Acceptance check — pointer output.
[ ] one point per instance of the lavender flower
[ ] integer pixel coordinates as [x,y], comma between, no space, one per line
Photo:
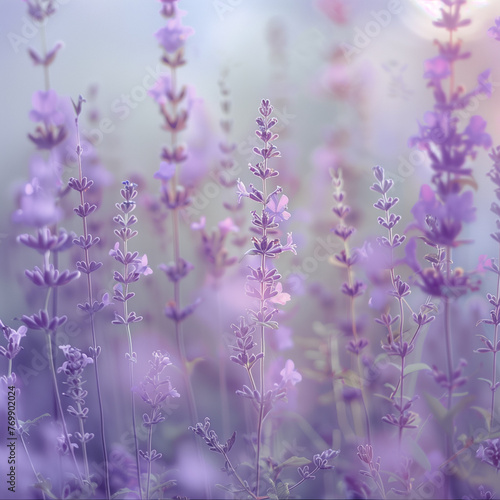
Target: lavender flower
[87,266]
[154,391]
[449,148]
[494,31]
[133,267]
[73,367]
[489,452]
[13,338]
[493,346]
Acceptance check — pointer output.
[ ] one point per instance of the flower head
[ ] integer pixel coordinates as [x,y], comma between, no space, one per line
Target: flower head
[494,31]
[13,338]
[173,36]
[489,452]
[46,108]
[290,374]
[277,209]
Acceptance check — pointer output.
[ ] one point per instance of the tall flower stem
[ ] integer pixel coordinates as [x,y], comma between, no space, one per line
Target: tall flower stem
[352,288]
[148,480]
[90,298]
[495,352]
[59,405]
[133,267]
[262,307]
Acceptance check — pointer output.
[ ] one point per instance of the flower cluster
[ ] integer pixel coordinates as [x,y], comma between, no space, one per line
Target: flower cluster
[133,265]
[489,452]
[493,346]
[154,390]
[73,368]
[346,258]
[214,247]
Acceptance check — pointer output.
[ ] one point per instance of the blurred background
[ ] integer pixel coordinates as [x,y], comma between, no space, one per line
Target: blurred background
[345,78]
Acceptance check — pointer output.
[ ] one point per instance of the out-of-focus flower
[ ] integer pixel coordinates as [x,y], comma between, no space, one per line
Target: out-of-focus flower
[290,374]
[437,68]
[165,172]
[226,226]
[336,10]
[46,108]
[281,298]
[489,452]
[441,222]
[173,36]
[161,89]
[494,31]
[198,226]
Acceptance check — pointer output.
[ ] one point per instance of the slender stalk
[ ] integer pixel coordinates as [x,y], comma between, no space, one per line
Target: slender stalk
[63,420]
[262,338]
[401,396]
[179,333]
[92,321]
[350,280]
[222,369]
[150,438]
[46,76]
[84,446]
[131,365]
[495,342]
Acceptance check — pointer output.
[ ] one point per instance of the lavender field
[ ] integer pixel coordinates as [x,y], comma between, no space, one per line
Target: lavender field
[250,249]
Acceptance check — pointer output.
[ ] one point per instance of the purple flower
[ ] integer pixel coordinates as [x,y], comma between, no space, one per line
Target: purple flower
[437,68]
[46,108]
[173,36]
[281,297]
[441,222]
[142,266]
[476,134]
[241,190]
[290,245]
[277,209]
[489,452]
[226,226]
[199,226]
[13,338]
[37,208]
[290,374]
[76,361]
[162,89]
[494,31]
[165,172]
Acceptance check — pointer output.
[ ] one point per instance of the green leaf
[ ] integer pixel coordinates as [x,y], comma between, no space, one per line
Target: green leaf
[294,462]
[229,487]
[282,490]
[416,367]
[488,381]
[268,324]
[436,407]
[123,491]
[419,455]
[190,365]
[486,415]
[445,417]
[383,396]
[29,423]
